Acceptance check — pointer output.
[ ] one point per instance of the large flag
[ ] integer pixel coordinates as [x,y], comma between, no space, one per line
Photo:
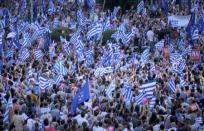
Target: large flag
[148,88]
[59,68]
[81,96]
[110,89]
[140,98]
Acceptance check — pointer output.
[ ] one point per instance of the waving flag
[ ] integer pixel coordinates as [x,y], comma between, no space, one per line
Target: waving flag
[59,68]
[127,90]
[58,79]
[51,7]
[44,82]
[175,57]
[171,85]
[81,96]
[140,98]
[38,54]
[148,88]
[152,103]
[8,108]
[110,89]
[179,66]
[187,51]
[159,45]
[140,8]
[95,30]
[82,21]
[115,12]
[182,82]
[89,57]
[10,53]
[144,57]
[24,54]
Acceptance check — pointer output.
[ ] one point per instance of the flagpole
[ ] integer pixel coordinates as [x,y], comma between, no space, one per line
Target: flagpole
[31,10]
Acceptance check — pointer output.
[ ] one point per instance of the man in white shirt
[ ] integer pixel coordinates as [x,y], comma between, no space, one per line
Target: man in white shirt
[150,35]
[81,118]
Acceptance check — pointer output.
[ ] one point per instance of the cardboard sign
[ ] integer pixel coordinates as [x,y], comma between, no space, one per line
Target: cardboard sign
[195,55]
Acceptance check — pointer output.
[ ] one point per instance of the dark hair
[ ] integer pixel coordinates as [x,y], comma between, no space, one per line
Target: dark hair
[46,122]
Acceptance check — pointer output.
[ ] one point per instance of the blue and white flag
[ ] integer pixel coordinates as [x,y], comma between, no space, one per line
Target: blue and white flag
[159,45]
[95,30]
[44,82]
[110,89]
[10,53]
[149,88]
[89,57]
[38,54]
[140,98]
[24,54]
[8,108]
[141,8]
[51,7]
[91,3]
[57,79]
[152,103]
[115,12]
[81,19]
[171,85]
[187,51]
[144,57]
[127,91]
[179,66]
[59,68]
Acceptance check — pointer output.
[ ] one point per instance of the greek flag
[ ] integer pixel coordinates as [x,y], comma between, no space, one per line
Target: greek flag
[8,108]
[127,37]
[44,82]
[89,57]
[39,54]
[56,23]
[149,88]
[179,66]
[182,82]
[159,45]
[171,85]
[195,6]
[115,12]
[110,89]
[79,47]
[101,71]
[187,51]
[106,24]
[24,54]
[152,103]
[51,7]
[66,47]
[23,26]
[127,90]
[58,79]
[82,21]
[140,7]
[2,24]
[96,30]
[139,99]
[144,57]
[26,40]
[175,57]
[59,68]
[10,53]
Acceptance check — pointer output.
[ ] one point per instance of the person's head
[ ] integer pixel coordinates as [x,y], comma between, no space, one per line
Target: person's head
[46,122]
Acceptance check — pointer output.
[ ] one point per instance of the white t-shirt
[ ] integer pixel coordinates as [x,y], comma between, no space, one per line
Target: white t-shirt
[98,129]
[150,35]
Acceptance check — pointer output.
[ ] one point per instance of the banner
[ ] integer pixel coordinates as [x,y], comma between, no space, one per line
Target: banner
[102,71]
[195,55]
[178,21]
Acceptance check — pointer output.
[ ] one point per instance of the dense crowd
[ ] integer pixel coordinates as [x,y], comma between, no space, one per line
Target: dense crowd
[35,108]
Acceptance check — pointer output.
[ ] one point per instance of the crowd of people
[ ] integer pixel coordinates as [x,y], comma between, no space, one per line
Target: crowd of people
[33,100]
